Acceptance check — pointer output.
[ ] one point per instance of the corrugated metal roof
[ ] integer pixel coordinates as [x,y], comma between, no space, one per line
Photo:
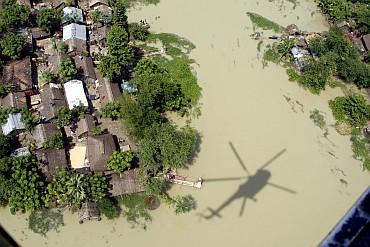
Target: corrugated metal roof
[75,93]
[74,30]
[14,122]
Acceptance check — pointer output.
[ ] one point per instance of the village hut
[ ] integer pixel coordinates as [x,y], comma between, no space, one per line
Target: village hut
[86,68]
[292,30]
[108,91]
[14,99]
[99,149]
[366,41]
[55,60]
[51,160]
[127,182]
[14,123]
[85,126]
[89,211]
[75,36]
[52,98]
[19,74]
[39,34]
[102,6]
[44,132]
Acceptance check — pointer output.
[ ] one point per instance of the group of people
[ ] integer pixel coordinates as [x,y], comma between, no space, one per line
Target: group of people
[144,22]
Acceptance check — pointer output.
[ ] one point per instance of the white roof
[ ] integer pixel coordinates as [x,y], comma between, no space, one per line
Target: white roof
[14,122]
[72,13]
[74,30]
[75,93]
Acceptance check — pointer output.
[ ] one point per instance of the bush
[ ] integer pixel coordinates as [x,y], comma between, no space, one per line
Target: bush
[43,221]
[184,204]
[56,142]
[138,32]
[120,161]
[111,110]
[109,208]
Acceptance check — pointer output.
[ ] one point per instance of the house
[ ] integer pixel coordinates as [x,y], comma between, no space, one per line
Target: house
[13,123]
[75,94]
[39,34]
[44,132]
[99,149]
[366,42]
[62,3]
[85,126]
[89,211]
[74,35]
[86,68]
[108,92]
[292,30]
[98,36]
[72,14]
[102,6]
[52,98]
[19,73]
[127,182]
[51,160]
[14,99]
[55,60]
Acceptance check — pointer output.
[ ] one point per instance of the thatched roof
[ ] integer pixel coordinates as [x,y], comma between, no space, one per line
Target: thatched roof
[44,132]
[95,3]
[108,91]
[52,98]
[85,64]
[38,33]
[51,161]
[292,29]
[14,99]
[126,183]
[366,41]
[19,74]
[89,211]
[99,149]
[85,125]
[55,60]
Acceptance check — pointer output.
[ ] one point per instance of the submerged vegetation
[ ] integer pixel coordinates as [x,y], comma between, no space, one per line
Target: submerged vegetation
[264,23]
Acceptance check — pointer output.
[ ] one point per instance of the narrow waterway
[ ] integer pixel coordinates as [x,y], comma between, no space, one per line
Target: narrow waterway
[252,118]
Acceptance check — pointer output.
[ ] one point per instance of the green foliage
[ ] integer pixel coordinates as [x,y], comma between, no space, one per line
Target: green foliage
[356,71]
[12,15]
[29,120]
[353,109]
[147,67]
[117,39]
[119,16]
[184,204]
[68,70]
[317,45]
[166,147]
[96,16]
[109,66]
[176,46]
[97,131]
[48,18]
[27,191]
[285,46]
[56,142]
[6,88]
[271,54]
[138,32]
[5,146]
[132,3]
[155,186]
[135,208]
[293,74]
[316,74]
[64,117]
[109,208]
[49,77]
[120,161]
[111,110]
[97,187]
[264,23]
[45,220]
[338,10]
[63,47]
[360,148]
[318,118]
[13,45]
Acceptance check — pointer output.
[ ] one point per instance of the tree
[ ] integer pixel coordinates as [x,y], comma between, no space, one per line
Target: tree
[109,207]
[68,70]
[119,16]
[5,89]
[27,190]
[42,221]
[184,204]
[48,19]
[147,67]
[165,147]
[117,39]
[338,10]
[138,32]
[120,161]
[49,77]
[56,142]
[354,70]
[109,66]
[155,186]
[12,15]
[98,187]
[5,146]
[285,46]
[28,119]
[111,110]
[64,117]
[13,45]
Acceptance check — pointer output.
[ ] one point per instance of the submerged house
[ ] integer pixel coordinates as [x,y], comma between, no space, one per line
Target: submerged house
[19,74]
[13,123]
[74,35]
[99,149]
[44,132]
[52,98]
[127,182]
[85,67]
[75,94]
[51,161]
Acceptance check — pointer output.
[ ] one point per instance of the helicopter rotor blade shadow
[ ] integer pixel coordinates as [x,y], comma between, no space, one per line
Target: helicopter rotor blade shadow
[222,179]
[282,188]
[273,158]
[239,159]
[243,206]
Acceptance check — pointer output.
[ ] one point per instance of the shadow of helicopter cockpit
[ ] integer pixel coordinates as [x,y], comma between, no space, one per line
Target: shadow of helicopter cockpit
[250,188]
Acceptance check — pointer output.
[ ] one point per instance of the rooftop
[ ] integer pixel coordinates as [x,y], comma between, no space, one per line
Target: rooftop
[14,122]
[75,94]
[74,30]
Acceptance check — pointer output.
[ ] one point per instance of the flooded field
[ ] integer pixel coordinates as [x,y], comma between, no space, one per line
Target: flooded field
[258,143]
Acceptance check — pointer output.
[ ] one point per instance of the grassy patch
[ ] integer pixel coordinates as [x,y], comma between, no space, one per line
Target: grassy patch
[176,46]
[264,23]
[271,54]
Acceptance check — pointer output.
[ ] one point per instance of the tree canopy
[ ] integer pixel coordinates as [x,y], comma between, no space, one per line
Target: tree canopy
[13,45]
[68,70]
[12,15]
[120,161]
[48,18]
[119,16]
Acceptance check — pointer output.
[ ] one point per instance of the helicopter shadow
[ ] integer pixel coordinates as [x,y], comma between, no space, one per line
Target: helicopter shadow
[252,185]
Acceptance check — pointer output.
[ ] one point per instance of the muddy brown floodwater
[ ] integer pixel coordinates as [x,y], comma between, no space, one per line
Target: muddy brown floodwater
[251,117]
